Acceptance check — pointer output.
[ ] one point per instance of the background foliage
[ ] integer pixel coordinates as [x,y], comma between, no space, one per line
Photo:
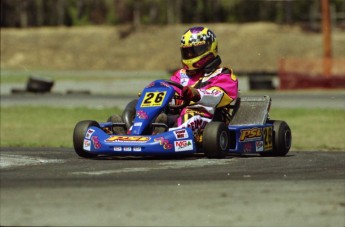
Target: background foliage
[32,13]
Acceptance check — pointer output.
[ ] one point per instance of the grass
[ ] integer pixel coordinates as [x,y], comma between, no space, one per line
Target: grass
[244,47]
[312,129]
[44,126]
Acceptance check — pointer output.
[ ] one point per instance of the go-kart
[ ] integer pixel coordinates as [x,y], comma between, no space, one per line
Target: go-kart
[246,129]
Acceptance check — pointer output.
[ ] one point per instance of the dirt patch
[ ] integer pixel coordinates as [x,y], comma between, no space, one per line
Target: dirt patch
[245,47]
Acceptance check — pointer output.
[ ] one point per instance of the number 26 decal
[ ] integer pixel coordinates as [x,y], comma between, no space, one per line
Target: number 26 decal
[153,99]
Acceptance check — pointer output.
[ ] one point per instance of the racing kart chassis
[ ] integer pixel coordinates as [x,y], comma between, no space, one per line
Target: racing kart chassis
[250,131]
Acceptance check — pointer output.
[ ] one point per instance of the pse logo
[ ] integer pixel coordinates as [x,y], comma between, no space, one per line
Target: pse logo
[250,134]
[137,139]
[183,145]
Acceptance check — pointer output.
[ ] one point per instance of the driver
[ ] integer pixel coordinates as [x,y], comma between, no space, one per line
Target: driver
[207,85]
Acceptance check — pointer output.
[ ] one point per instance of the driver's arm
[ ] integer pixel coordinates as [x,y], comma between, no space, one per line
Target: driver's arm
[214,97]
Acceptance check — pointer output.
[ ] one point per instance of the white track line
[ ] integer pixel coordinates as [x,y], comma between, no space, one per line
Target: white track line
[10,161]
[162,166]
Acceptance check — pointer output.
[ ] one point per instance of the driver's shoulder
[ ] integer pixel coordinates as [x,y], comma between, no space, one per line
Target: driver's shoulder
[226,70]
[221,71]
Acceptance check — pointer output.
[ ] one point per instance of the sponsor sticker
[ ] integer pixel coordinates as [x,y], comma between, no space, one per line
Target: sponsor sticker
[181,134]
[96,143]
[259,146]
[117,148]
[138,124]
[211,92]
[127,149]
[184,81]
[164,142]
[197,123]
[183,145]
[142,114]
[247,148]
[87,145]
[137,149]
[89,133]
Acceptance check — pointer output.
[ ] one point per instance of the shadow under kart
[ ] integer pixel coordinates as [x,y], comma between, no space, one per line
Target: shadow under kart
[249,129]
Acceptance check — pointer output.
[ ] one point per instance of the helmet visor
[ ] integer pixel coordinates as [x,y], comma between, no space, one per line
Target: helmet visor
[193,51]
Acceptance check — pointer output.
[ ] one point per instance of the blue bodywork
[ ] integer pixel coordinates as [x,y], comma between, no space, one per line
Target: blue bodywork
[99,142]
[153,100]
[251,138]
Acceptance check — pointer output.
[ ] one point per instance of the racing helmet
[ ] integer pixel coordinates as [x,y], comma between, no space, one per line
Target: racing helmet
[199,48]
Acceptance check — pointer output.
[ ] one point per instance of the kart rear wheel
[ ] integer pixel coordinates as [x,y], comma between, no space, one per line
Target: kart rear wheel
[281,139]
[216,140]
[78,137]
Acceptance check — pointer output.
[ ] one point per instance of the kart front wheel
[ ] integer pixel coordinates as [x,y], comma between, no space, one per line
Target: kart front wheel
[78,137]
[216,140]
[282,139]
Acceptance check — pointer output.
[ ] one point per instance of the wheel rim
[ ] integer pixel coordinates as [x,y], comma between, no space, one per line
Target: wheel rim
[287,137]
[223,141]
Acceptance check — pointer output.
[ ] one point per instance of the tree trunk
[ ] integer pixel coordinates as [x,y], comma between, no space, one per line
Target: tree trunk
[136,14]
[170,12]
[60,8]
[23,16]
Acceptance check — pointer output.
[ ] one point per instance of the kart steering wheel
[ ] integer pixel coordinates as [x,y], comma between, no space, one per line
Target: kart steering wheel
[184,103]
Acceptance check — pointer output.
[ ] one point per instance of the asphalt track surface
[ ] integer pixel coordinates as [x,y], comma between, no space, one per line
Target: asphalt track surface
[334,100]
[119,92]
[54,187]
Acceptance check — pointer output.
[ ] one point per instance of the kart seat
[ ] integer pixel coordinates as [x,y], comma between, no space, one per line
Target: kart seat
[251,110]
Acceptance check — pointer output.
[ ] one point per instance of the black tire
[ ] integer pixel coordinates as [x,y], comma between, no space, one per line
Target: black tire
[115,119]
[282,139]
[216,140]
[39,85]
[129,113]
[119,130]
[78,138]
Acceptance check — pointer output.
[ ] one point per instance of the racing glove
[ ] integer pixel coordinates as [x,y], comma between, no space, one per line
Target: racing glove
[190,94]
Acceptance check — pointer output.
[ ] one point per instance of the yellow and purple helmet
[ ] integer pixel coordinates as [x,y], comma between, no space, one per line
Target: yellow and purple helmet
[199,47]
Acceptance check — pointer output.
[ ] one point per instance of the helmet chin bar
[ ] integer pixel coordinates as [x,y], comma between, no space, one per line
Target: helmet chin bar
[204,61]
[193,72]
[210,67]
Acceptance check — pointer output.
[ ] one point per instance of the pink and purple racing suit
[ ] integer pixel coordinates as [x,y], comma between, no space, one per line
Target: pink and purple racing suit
[216,89]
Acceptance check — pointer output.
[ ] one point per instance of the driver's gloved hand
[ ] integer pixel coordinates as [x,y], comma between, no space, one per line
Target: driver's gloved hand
[190,94]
